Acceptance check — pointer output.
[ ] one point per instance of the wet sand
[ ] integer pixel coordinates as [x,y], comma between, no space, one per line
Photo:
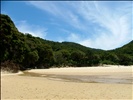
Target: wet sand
[93,83]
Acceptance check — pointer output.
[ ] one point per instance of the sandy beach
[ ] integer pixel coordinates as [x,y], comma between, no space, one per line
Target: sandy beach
[87,83]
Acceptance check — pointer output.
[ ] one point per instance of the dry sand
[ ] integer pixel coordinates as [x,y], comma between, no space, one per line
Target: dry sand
[88,83]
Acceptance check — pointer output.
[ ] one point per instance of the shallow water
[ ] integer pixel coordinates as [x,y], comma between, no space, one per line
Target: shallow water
[84,78]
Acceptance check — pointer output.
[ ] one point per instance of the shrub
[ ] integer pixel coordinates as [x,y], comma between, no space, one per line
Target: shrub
[10,66]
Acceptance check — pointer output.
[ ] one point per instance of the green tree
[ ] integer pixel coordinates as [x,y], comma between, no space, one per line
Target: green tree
[125,59]
[46,58]
[33,58]
[89,58]
[77,58]
[110,58]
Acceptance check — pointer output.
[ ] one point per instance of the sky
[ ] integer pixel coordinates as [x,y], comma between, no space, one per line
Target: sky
[97,24]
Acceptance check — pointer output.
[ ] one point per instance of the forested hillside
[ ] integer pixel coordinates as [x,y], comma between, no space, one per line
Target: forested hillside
[22,51]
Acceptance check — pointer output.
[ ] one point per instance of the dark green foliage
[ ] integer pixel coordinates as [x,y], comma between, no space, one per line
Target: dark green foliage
[78,58]
[26,51]
[124,54]
[109,58]
[7,29]
[46,58]
[125,59]
[32,58]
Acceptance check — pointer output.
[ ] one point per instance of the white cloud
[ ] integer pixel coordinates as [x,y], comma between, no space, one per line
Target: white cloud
[73,37]
[111,25]
[35,30]
[115,27]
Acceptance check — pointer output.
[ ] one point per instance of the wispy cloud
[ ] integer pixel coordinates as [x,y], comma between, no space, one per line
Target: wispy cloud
[73,37]
[35,30]
[115,27]
[104,26]
[62,10]
[48,6]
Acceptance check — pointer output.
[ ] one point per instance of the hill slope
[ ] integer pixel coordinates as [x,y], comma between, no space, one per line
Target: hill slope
[20,51]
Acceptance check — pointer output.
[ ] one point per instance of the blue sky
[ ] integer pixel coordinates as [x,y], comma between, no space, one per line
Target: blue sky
[96,24]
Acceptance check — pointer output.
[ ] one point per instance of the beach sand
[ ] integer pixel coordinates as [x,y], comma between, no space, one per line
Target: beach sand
[87,83]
